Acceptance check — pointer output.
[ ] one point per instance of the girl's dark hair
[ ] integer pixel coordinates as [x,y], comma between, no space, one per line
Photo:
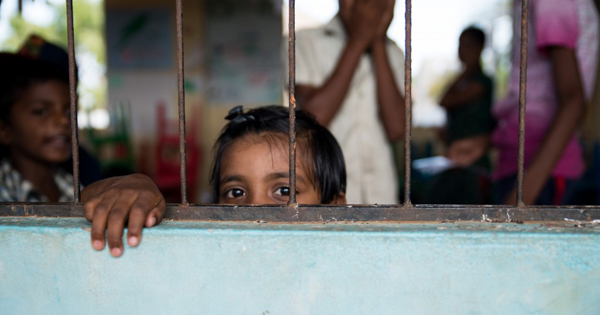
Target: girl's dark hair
[19,73]
[325,154]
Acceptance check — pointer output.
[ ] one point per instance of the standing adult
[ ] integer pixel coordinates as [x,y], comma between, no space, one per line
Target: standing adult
[349,76]
[468,104]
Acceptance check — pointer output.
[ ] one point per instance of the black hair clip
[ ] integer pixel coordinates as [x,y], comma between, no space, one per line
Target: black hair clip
[236,115]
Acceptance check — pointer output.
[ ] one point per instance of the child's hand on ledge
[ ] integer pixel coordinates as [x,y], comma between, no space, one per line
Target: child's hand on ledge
[111,203]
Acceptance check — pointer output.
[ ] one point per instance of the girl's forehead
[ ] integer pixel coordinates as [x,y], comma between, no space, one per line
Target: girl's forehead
[257,147]
[272,147]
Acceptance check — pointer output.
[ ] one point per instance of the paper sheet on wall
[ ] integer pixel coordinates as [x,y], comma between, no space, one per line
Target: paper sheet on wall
[243,48]
[140,39]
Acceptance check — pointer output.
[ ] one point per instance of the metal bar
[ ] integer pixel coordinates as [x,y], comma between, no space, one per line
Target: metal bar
[522,101]
[292,108]
[181,103]
[332,214]
[408,103]
[73,101]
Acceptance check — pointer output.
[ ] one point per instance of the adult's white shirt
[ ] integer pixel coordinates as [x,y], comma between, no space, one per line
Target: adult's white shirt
[371,172]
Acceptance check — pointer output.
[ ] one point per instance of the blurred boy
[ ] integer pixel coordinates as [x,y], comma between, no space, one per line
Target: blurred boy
[37,48]
[34,131]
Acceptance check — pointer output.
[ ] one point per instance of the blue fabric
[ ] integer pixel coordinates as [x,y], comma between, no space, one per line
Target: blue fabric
[504,187]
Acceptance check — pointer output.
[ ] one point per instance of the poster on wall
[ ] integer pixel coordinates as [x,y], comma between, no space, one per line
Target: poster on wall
[244,39]
[140,39]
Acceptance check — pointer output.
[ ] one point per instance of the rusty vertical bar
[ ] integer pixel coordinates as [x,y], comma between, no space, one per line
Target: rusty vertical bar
[181,103]
[292,108]
[408,102]
[522,100]
[73,102]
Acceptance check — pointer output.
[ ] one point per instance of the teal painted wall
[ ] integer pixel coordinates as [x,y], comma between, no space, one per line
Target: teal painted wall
[47,266]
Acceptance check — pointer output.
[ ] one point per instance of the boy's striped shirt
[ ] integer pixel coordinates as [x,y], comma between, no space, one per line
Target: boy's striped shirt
[14,188]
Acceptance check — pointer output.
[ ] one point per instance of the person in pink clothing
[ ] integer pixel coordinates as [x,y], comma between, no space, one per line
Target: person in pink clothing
[562,63]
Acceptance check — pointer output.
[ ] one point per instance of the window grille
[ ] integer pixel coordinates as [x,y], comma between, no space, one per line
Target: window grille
[294,213]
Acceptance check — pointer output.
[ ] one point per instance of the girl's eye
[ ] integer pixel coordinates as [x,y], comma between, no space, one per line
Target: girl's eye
[235,193]
[283,191]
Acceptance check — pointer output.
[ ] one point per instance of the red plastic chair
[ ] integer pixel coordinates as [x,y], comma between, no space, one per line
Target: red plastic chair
[167,156]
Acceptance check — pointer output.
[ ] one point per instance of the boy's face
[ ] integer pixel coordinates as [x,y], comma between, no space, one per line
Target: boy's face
[255,171]
[39,125]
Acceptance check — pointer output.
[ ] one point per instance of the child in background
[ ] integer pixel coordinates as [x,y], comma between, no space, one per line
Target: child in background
[251,166]
[34,131]
[36,47]
[468,104]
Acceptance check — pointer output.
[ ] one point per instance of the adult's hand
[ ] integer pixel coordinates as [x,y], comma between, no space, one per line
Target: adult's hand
[385,20]
[465,152]
[365,21]
[111,203]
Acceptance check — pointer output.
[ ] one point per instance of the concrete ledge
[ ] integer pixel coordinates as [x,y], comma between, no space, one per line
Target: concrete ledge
[47,266]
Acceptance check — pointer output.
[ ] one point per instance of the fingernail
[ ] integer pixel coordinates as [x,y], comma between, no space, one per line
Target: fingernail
[133,241]
[151,221]
[98,245]
[116,252]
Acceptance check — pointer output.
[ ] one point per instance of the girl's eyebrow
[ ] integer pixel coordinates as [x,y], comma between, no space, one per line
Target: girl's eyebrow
[231,178]
[285,175]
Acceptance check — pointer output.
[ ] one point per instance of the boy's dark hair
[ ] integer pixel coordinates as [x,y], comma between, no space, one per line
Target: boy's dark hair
[475,33]
[324,153]
[38,48]
[20,73]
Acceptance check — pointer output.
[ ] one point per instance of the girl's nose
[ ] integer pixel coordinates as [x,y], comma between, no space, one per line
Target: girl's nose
[259,199]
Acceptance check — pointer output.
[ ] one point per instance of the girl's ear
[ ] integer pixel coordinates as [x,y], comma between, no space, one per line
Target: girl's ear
[340,199]
[4,133]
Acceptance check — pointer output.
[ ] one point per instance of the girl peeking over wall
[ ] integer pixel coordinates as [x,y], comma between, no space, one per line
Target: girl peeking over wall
[251,166]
